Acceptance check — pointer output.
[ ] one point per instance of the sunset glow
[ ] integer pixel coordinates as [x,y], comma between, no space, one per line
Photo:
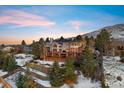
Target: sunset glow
[32,22]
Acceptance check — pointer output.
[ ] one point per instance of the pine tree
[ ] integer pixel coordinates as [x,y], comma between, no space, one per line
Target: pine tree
[122,56]
[79,38]
[103,42]
[56,76]
[11,64]
[23,42]
[19,82]
[87,41]
[36,49]
[1,59]
[88,63]
[25,81]
[42,46]
[47,39]
[5,63]
[61,39]
[70,76]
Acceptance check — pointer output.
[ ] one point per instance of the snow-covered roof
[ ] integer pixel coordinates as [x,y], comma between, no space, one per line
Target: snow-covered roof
[24,55]
[47,63]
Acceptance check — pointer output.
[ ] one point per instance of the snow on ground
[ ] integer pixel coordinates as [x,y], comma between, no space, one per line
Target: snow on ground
[44,83]
[1,85]
[84,82]
[22,59]
[113,69]
[48,63]
[36,71]
[3,73]
[12,79]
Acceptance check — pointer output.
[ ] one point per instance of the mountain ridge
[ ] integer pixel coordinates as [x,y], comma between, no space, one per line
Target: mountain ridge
[116,31]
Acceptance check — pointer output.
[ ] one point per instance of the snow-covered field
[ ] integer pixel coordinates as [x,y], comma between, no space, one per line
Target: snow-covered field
[3,73]
[36,71]
[113,69]
[84,82]
[12,79]
[22,59]
[44,83]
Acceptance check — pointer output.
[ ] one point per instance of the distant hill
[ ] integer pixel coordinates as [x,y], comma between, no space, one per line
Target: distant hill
[117,31]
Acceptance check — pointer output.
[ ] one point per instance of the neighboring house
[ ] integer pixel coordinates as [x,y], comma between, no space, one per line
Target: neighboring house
[23,49]
[27,49]
[117,46]
[7,49]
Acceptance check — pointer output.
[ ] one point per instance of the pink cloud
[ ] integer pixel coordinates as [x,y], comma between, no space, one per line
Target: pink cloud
[4,19]
[21,18]
[22,14]
[77,24]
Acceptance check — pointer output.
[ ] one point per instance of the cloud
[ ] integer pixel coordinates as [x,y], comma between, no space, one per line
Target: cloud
[78,24]
[20,18]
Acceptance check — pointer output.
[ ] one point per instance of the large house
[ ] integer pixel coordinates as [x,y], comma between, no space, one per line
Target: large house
[64,49]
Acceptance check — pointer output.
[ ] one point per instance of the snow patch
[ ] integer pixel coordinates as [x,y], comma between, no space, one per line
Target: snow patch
[36,71]
[3,73]
[22,59]
[44,83]
[84,82]
[12,79]
[1,85]
[113,69]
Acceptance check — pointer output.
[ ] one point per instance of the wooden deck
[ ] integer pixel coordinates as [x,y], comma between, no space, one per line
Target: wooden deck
[58,59]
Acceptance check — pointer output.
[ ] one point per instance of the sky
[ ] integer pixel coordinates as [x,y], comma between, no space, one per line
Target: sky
[31,22]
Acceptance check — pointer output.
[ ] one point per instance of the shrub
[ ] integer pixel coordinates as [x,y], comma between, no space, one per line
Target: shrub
[56,75]
[70,76]
[119,78]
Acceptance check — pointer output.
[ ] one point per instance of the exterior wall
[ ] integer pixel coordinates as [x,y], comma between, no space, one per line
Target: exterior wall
[117,47]
[71,49]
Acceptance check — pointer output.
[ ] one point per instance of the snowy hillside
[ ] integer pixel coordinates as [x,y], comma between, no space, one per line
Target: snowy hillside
[117,31]
[114,72]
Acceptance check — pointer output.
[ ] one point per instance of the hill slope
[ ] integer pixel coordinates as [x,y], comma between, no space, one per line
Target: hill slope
[117,31]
